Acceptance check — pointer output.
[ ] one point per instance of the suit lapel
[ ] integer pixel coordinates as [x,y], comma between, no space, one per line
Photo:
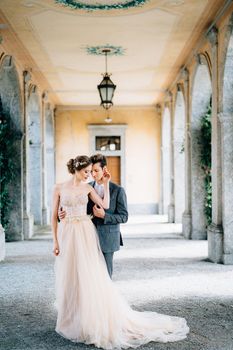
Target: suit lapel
[110,188]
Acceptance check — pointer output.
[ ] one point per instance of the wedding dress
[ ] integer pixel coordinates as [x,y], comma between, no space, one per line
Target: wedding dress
[90,308]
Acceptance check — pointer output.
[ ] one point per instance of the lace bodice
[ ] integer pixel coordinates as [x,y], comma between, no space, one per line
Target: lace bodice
[73,202]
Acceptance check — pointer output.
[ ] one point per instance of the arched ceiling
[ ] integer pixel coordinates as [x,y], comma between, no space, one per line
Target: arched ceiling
[151,39]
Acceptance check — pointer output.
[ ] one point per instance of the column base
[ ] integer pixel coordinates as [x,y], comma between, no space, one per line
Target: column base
[215,243]
[28,222]
[171,213]
[45,216]
[160,208]
[227,259]
[199,235]
[14,236]
[187,225]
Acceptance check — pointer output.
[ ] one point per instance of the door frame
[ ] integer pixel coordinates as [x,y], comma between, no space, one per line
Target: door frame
[109,130]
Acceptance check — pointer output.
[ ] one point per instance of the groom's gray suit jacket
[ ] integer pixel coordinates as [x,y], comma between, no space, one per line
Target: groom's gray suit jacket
[109,228]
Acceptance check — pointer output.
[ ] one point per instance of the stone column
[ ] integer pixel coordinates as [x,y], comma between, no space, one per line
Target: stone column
[179,161]
[49,156]
[226,120]
[27,216]
[43,165]
[215,230]
[35,154]
[166,160]
[159,110]
[187,215]
[171,207]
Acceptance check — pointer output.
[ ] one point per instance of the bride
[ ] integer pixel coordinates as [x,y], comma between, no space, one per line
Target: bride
[90,308]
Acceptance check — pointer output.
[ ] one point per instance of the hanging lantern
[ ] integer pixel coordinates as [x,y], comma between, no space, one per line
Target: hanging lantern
[106,87]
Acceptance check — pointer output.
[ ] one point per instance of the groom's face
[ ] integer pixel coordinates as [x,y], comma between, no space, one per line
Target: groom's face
[97,172]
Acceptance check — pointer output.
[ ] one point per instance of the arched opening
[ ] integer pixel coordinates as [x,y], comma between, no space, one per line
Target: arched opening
[11,107]
[201,99]
[179,157]
[166,159]
[34,157]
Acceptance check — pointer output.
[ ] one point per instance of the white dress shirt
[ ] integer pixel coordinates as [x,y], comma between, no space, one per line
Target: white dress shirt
[99,189]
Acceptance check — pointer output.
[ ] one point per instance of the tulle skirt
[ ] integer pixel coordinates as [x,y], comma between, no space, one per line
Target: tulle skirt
[90,308]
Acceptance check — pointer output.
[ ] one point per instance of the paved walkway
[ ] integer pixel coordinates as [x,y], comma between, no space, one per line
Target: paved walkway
[156,270]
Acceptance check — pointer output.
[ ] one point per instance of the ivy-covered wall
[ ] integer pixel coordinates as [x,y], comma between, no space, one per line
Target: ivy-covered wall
[205,141]
[8,169]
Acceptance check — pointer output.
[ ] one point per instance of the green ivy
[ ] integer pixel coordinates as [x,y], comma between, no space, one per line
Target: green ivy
[182,148]
[7,167]
[206,160]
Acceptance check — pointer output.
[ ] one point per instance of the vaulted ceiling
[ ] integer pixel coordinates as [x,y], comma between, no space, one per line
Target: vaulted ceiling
[150,42]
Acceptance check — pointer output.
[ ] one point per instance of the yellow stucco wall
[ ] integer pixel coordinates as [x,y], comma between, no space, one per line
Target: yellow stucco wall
[142,166]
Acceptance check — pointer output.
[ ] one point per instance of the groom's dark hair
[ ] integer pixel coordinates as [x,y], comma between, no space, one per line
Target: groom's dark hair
[99,158]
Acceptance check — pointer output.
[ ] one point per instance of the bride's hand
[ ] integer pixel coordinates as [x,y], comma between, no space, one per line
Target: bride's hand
[106,176]
[56,249]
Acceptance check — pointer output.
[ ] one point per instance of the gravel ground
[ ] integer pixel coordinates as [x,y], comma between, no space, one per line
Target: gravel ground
[156,270]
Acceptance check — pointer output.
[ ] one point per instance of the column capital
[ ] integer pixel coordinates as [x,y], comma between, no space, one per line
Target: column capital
[184,73]
[8,63]
[27,82]
[33,89]
[168,97]
[45,96]
[158,108]
[48,106]
[179,87]
[200,58]
[212,36]
[27,76]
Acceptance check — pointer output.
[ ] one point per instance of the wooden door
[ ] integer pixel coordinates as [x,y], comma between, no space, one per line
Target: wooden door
[114,167]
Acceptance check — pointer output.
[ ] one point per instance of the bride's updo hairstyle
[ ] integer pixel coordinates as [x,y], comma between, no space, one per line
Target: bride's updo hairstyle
[78,163]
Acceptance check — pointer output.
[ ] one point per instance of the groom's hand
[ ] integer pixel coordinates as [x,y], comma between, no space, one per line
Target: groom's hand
[106,176]
[61,214]
[98,212]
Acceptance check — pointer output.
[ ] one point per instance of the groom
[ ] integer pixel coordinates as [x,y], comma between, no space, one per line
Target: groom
[107,221]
